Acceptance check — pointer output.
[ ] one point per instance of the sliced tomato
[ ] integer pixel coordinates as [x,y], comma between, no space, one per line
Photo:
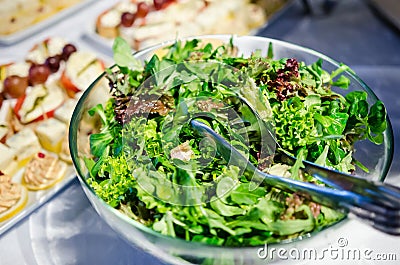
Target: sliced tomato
[18,105]
[69,86]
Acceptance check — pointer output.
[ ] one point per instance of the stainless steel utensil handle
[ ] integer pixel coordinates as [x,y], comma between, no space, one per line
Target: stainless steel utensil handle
[383,192]
[383,216]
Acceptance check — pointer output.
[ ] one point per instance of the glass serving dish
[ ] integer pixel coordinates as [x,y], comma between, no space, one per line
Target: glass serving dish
[377,158]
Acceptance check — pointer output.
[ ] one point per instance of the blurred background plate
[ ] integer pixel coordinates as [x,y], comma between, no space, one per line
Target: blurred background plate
[274,9]
[43,23]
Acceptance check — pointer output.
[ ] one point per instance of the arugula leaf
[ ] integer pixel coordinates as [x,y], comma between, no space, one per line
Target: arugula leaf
[268,210]
[179,53]
[225,210]
[290,227]
[342,68]
[342,82]
[216,221]
[295,170]
[123,55]
[243,195]
[321,160]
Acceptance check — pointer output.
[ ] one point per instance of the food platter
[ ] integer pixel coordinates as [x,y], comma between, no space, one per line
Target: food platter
[164,25]
[43,22]
[35,199]
[34,121]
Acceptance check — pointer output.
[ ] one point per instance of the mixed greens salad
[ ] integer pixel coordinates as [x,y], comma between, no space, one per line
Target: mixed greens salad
[151,165]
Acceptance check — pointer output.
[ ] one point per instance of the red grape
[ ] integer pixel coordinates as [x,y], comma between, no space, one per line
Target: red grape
[67,51]
[142,10]
[158,4]
[53,62]
[15,86]
[127,19]
[38,74]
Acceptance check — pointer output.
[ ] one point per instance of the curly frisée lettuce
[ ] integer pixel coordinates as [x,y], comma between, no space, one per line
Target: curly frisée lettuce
[148,163]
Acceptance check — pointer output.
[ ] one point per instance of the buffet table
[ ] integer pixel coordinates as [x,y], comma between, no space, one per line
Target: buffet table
[67,230]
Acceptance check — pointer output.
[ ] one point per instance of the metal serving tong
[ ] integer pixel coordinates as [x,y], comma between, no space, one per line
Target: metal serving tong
[376,203]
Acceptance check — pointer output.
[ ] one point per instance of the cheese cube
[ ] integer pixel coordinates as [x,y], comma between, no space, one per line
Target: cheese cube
[25,144]
[3,131]
[82,68]
[51,133]
[5,117]
[64,113]
[6,111]
[19,69]
[41,100]
[55,46]
[6,158]
[45,49]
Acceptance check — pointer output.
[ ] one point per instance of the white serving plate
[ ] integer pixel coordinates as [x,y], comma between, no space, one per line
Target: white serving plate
[36,198]
[106,43]
[41,25]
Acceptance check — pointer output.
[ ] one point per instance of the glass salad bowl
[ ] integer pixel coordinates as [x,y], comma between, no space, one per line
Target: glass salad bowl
[89,127]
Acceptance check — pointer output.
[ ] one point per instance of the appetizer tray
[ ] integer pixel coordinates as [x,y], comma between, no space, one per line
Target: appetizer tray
[145,26]
[34,16]
[36,199]
[38,96]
